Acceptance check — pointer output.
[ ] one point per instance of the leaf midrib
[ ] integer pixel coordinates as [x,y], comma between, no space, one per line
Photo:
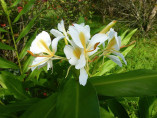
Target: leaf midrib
[123,80]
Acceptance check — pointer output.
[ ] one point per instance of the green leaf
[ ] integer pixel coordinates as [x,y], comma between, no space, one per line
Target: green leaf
[4,92]
[128,37]
[27,63]
[4,6]
[5,47]
[9,81]
[108,65]
[123,34]
[27,46]
[3,30]
[105,114]
[77,101]
[133,83]
[26,29]
[15,3]
[17,106]
[24,10]
[81,20]
[43,109]
[117,109]
[146,106]
[7,64]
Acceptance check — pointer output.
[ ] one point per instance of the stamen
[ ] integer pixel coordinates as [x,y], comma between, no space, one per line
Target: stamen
[95,46]
[34,55]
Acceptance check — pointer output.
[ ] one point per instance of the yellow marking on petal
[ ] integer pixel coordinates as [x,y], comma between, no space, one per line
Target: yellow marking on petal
[40,62]
[111,43]
[82,39]
[77,52]
[42,44]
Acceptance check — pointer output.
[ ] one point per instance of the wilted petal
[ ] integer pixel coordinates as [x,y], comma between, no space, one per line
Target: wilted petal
[69,52]
[56,33]
[81,62]
[55,43]
[115,59]
[41,43]
[83,77]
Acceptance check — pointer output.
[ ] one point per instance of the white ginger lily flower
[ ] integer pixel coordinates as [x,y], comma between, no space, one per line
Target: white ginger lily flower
[61,32]
[81,48]
[40,49]
[114,43]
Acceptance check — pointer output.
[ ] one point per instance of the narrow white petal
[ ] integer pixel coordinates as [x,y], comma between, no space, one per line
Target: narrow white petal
[97,38]
[81,62]
[115,59]
[83,77]
[49,65]
[68,50]
[38,61]
[37,45]
[120,55]
[56,33]
[55,43]
[61,26]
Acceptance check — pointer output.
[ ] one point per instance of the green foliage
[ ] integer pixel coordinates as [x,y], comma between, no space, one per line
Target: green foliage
[73,97]
[7,64]
[133,83]
[5,47]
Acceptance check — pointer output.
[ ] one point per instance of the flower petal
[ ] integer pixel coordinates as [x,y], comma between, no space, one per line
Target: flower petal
[49,65]
[75,36]
[41,43]
[38,61]
[68,50]
[83,77]
[120,55]
[61,26]
[81,62]
[94,51]
[56,33]
[55,43]
[97,38]
[115,59]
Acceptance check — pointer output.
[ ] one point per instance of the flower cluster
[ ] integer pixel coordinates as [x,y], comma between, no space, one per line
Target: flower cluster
[79,47]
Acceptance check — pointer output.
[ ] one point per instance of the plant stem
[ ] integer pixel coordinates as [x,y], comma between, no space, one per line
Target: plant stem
[12,33]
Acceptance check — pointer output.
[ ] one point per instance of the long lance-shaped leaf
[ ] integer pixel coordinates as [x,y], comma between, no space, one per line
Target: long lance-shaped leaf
[18,106]
[43,109]
[27,46]
[27,63]
[105,114]
[146,106]
[24,10]
[133,83]
[10,81]
[5,47]
[7,64]
[117,109]
[81,101]
[15,3]
[3,30]
[123,34]
[128,37]
[108,65]
[26,29]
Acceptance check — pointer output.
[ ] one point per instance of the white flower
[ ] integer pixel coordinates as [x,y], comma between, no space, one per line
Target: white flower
[81,48]
[114,43]
[61,32]
[40,49]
